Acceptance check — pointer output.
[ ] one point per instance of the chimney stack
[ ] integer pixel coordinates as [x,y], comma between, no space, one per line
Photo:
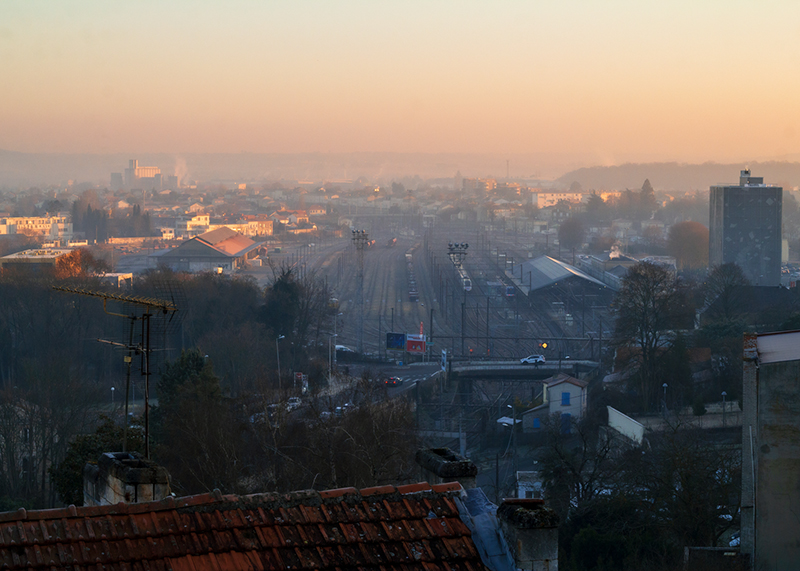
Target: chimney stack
[531,532]
[443,465]
[124,477]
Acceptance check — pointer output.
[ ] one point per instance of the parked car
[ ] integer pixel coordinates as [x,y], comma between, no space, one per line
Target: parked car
[532,360]
[293,403]
[342,410]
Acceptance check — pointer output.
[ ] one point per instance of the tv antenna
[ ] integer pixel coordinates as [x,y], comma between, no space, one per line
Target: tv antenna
[150,307]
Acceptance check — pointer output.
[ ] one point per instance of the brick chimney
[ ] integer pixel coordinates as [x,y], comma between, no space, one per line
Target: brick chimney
[531,532]
[124,477]
[443,465]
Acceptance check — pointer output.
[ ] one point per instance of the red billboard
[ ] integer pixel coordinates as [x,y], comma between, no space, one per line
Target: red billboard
[415,343]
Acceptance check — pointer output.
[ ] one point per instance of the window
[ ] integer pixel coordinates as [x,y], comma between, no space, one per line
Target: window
[564,399]
[537,423]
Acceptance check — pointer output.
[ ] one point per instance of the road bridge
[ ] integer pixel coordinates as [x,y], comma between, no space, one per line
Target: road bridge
[509,369]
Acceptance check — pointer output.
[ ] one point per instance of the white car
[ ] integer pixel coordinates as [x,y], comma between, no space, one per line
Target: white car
[293,403]
[532,360]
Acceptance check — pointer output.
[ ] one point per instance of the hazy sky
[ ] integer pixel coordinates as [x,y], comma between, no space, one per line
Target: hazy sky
[604,81]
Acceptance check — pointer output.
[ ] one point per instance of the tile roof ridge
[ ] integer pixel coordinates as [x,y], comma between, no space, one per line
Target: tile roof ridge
[296,498]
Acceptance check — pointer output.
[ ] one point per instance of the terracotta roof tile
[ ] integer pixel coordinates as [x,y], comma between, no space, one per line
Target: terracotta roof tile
[446,487]
[377,490]
[411,488]
[338,492]
[407,528]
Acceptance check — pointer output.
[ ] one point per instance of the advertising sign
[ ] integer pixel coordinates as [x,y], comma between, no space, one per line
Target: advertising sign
[395,341]
[415,343]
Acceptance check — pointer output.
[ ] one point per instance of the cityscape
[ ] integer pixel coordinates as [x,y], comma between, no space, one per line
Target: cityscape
[355,291]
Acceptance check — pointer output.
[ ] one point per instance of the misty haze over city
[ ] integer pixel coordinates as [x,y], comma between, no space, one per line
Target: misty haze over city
[400,285]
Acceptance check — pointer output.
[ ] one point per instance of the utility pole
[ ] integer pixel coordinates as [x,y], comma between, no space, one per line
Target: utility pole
[487,326]
[463,318]
[360,240]
[431,336]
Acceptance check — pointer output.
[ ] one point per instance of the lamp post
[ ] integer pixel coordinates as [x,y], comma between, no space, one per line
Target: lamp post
[329,357]
[724,394]
[112,397]
[278,355]
[335,321]
[664,386]
[513,408]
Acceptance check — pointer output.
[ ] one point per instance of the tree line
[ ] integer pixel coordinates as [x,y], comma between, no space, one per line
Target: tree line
[215,368]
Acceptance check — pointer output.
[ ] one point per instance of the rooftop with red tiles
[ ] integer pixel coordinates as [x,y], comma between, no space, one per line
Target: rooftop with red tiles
[401,528]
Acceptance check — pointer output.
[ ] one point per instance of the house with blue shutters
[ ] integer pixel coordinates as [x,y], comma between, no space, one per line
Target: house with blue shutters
[563,396]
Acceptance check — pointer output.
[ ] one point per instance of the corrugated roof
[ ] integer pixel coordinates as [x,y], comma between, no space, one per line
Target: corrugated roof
[544,271]
[400,528]
[216,236]
[234,245]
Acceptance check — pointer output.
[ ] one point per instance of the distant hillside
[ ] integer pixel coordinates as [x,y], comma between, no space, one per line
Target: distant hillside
[679,177]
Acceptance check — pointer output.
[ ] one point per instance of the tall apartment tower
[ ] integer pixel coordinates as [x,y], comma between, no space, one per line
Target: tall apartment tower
[745,228]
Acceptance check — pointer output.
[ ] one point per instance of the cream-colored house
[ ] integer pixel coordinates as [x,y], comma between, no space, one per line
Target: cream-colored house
[564,396]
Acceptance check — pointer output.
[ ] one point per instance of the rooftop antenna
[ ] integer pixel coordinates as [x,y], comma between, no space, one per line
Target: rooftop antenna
[150,307]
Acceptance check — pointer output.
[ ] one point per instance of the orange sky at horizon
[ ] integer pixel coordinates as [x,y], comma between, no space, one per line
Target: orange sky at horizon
[604,82]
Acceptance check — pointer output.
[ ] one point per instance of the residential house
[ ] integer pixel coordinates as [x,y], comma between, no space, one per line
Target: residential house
[317,211]
[530,485]
[563,396]
[191,226]
[290,216]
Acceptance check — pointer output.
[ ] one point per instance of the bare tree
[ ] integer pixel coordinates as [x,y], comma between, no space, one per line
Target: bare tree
[578,462]
[688,242]
[647,307]
[722,290]
[571,234]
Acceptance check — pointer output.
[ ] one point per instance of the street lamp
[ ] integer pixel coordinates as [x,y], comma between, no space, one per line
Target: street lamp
[664,386]
[335,322]
[513,408]
[329,356]
[724,394]
[112,397]
[278,354]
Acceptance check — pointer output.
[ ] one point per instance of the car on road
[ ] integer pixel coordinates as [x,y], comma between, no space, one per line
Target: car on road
[393,381]
[342,410]
[533,360]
